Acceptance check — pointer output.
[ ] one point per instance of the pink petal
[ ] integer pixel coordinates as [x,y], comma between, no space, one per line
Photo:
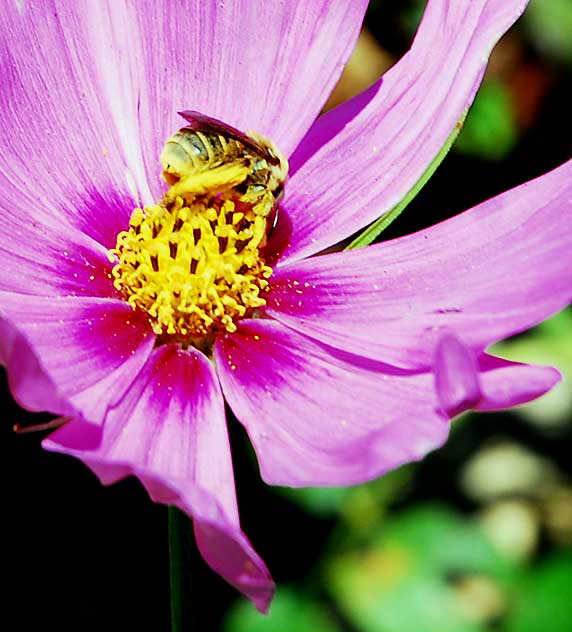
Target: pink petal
[267,66]
[488,273]
[30,385]
[456,376]
[90,92]
[169,431]
[60,138]
[465,382]
[317,416]
[84,351]
[360,160]
[505,384]
[125,69]
[47,261]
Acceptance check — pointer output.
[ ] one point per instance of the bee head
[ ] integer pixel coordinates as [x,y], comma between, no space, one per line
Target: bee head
[175,160]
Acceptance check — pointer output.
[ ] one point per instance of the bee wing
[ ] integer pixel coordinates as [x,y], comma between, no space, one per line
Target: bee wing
[203,123]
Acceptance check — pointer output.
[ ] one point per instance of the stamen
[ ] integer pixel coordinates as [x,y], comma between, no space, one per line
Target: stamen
[49,425]
[193,264]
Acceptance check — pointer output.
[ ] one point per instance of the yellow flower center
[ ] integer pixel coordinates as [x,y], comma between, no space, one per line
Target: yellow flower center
[193,263]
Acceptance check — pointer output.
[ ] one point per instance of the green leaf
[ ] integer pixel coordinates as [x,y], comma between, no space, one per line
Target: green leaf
[375,229]
[490,130]
[360,505]
[411,15]
[441,539]
[544,603]
[289,611]
[407,580]
[550,25]
[320,501]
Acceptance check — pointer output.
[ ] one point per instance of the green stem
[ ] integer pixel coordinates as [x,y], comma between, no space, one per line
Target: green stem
[180,553]
[375,229]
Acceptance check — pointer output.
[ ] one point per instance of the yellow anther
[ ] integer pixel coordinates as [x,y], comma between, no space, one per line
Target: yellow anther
[193,265]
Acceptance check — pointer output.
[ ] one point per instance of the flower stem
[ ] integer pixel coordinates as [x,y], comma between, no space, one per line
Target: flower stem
[374,230]
[180,553]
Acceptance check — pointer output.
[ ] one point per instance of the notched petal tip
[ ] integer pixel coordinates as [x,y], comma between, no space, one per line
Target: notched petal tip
[169,431]
[233,557]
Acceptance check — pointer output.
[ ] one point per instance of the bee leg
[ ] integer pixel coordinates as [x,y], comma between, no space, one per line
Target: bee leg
[265,204]
[216,180]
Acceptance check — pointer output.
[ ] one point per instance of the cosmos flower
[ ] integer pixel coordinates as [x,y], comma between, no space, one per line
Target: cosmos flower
[344,365]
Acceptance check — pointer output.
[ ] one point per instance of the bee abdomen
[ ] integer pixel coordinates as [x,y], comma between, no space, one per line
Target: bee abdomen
[195,148]
[204,150]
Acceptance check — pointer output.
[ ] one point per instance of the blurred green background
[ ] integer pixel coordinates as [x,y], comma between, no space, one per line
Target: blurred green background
[477,537]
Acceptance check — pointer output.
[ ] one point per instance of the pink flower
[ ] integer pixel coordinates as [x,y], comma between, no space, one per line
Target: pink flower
[358,359]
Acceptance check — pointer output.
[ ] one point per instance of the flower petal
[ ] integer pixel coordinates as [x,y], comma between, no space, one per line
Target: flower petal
[488,273]
[505,384]
[456,376]
[317,416]
[48,261]
[30,385]
[169,431]
[360,160]
[60,138]
[254,64]
[465,382]
[90,350]
[110,77]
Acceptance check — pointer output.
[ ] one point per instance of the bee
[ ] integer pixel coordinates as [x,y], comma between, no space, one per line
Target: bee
[208,157]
